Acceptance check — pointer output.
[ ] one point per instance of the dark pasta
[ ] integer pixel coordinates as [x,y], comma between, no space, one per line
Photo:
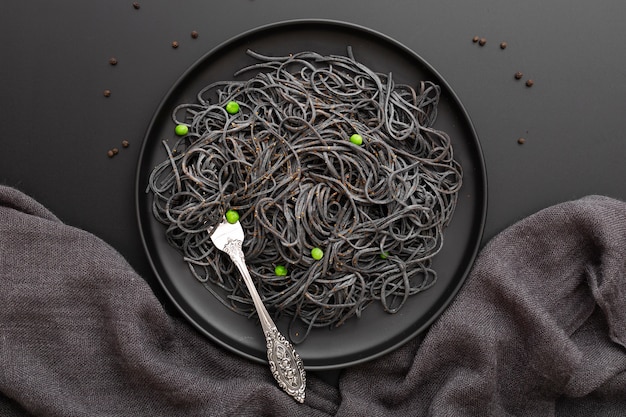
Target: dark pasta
[285,162]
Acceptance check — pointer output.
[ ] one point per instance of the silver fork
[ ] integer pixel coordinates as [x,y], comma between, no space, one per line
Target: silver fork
[284,361]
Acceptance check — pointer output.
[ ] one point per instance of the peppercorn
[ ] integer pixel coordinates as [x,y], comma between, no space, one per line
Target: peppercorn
[113,61]
[475,39]
[521,141]
[518,75]
[125,143]
[175,44]
[115,151]
[482,41]
[529,83]
[110,153]
[194,34]
[107,93]
[136,6]
[503,45]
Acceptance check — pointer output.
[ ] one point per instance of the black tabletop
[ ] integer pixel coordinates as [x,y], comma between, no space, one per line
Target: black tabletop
[558,139]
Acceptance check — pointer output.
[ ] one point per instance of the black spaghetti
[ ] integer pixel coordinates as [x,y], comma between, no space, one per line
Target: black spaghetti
[377,205]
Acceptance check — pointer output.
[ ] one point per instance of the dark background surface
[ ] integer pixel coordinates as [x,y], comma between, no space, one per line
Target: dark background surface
[57,126]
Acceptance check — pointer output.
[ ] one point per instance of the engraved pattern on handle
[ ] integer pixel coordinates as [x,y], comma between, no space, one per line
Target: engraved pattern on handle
[285,363]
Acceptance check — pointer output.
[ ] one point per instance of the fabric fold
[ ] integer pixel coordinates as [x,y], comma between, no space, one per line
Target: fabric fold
[538,330]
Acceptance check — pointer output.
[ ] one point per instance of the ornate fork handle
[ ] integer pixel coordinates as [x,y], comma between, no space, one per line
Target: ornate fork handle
[284,361]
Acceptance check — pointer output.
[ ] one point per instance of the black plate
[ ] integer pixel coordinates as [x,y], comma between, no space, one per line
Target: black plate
[376,332]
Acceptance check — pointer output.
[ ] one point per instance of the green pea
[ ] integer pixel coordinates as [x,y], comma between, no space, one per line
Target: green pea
[317,254]
[356,139]
[384,255]
[280,270]
[181,130]
[232,216]
[232,107]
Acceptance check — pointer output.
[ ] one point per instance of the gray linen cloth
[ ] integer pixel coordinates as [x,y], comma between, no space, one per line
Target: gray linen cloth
[539,329]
